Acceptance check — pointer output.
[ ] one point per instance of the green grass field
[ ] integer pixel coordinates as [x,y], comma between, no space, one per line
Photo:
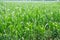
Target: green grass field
[29,21]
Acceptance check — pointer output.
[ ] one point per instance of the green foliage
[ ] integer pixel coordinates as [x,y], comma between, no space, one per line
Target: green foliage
[29,21]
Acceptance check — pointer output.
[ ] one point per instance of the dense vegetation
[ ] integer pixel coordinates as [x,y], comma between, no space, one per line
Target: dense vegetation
[29,21]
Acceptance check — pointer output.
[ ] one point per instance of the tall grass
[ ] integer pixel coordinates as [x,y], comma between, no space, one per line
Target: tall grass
[29,21]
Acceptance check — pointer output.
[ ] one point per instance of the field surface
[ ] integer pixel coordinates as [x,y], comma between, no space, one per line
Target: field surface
[29,20]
